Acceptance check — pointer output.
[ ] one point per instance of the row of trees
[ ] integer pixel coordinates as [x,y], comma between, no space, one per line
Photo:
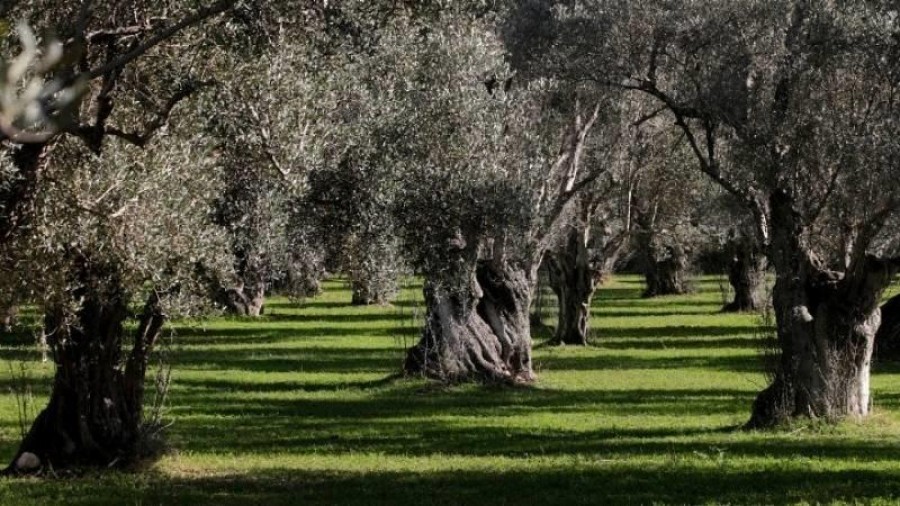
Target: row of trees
[177,154]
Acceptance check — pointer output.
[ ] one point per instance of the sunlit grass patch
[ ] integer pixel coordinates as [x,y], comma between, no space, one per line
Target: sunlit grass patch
[303,406]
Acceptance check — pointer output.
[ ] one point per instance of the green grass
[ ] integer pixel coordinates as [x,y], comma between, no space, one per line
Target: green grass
[300,408]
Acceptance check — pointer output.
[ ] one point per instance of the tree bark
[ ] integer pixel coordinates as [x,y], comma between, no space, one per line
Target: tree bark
[573,280]
[9,315]
[574,290]
[94,416]
[746,274]
[826,326]
[366,293]
[887,340]
[665,272]
[246,300]
[248,297]
[477,332]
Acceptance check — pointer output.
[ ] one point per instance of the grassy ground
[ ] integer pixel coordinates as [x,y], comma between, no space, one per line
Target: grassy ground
[298,408]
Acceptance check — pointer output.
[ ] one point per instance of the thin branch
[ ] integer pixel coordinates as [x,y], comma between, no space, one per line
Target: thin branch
[192,19]
[161,118]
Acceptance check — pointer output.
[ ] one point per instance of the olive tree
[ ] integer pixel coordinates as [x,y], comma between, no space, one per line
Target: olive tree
[267,144]
[485,185]
[666,211]
[789,106]
[596,230]
[91,216]
[123,227]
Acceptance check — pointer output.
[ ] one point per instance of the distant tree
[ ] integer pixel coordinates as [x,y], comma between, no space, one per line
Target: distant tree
[486,185]
[354,200]
[268,143]
[745,259]
[664,204]
[596,231]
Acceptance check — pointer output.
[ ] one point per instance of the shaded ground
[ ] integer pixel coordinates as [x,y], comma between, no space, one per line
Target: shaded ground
[301,408]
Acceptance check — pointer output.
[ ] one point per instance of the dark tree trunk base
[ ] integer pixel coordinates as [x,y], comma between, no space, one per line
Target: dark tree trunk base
[242,301]
[747,276]
[363,297]
[826,334]
[486,338]
[94,416]
[887,340]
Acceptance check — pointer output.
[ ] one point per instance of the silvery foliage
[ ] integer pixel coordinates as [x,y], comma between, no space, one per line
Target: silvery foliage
[471,146]
[727,68]
[146,212]
[32,101]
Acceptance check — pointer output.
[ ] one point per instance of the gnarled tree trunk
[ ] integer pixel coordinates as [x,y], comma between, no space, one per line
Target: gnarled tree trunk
[665,272]
[887,340]
[747,275]
[246,299]
[575,272]
[573,281]
[248,296]
[477,332]
[367,293]
[94,416]
[826,326]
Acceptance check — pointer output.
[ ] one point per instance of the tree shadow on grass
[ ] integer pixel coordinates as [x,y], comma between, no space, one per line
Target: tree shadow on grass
[600,485]
[437,437]
[403,423]
[672,331]
[737,363]
[676,344]
[600,312]
[312,359]
[589,483]
[334,318]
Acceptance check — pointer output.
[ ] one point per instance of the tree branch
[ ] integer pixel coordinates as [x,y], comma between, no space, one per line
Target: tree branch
[161,118]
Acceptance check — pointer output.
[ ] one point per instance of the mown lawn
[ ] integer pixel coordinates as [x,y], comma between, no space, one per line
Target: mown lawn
[301,408]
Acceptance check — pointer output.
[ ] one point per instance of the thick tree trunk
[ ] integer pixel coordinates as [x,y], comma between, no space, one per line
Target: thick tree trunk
[573,280]
[246,299]
[94,416]
[248,296]
[9,316]
[826,326]
[747,275]
[366,293]
[480,332]
[666,273]
[887,340]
